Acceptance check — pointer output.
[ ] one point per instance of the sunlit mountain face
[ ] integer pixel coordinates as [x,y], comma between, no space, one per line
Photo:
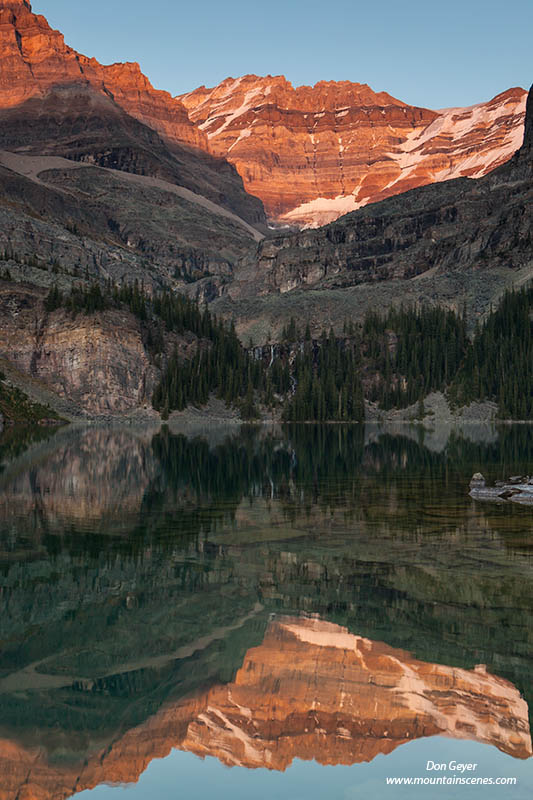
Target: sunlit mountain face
[310,153]
[313,153]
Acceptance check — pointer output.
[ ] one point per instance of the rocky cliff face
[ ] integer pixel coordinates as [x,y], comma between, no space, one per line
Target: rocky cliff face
[98,362]
[314,153]
[457,227]
[311,690]
[76,220]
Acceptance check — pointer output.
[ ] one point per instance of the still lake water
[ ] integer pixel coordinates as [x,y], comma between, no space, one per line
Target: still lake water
[299,612]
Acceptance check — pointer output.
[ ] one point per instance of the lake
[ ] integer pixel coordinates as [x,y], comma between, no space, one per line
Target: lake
[302,612]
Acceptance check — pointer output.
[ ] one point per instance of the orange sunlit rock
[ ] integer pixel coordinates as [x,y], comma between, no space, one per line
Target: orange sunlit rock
[34,58]
[312,153]
[311,690]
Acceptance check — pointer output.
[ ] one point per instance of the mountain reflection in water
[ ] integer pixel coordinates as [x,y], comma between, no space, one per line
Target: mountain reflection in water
[312,592]
[311,690]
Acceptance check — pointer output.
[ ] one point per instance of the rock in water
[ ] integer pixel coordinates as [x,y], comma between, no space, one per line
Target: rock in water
[477,481]
[517,489]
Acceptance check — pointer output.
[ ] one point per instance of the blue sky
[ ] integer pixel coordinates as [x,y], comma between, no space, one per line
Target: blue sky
[182,775]
[429,53]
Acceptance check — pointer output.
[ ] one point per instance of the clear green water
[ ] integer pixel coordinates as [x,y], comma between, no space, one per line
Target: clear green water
[309,605]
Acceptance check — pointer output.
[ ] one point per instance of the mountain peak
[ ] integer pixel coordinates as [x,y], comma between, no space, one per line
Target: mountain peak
[34,59]
[312,153]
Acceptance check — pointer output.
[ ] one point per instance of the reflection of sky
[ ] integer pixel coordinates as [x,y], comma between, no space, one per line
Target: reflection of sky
[187,777]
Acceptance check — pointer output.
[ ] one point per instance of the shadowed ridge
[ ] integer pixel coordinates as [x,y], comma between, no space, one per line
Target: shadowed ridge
[528,132]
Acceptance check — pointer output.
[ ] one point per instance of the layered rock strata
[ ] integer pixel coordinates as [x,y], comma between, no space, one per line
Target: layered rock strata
[97,362]
[310,153]
[456,227]
[371,698]
[54,100]
[313,153]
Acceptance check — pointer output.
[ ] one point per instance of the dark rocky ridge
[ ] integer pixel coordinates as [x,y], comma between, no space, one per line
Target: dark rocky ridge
[186,218]
[76,122]
[94,223]
[175,220]
[528,133]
